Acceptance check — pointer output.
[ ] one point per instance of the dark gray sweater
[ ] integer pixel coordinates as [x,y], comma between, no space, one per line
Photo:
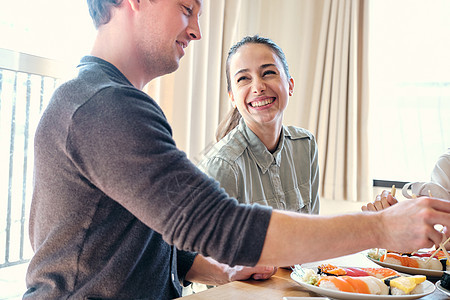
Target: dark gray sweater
[112,193]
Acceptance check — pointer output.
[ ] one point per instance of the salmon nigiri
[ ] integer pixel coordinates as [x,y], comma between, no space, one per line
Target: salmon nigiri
[362,285]
[412,262]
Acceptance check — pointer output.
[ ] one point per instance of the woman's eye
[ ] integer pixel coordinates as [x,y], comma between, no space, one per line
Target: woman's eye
[187,10]
[241,78]
[269,72]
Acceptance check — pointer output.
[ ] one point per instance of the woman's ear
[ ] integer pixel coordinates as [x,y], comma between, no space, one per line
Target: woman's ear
[231,98]
[291,86]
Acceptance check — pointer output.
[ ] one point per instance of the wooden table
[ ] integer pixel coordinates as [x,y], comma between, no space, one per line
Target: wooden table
[281,285]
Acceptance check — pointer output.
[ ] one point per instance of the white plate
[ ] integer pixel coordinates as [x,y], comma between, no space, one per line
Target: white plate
[442,289]
[408,270]
[428,289]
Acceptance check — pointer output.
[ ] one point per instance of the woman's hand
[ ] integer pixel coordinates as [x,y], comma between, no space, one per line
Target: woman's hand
[381,202]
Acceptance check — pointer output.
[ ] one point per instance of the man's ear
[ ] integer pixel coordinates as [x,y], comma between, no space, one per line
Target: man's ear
[134,4]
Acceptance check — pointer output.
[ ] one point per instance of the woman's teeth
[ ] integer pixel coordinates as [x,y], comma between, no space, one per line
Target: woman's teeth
[262,103]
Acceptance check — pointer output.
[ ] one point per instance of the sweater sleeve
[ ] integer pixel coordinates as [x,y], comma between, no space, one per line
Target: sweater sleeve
[121,142]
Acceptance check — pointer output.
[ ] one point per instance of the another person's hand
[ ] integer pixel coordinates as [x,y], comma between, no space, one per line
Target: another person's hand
[206,270]
[409,225]
[381,202]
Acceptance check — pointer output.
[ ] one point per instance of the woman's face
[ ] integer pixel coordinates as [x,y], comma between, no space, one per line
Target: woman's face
[260,88]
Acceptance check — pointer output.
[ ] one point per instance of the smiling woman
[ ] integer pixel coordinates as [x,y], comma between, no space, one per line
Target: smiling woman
[258,159]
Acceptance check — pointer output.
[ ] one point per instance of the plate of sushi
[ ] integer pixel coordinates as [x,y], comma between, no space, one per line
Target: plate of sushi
[361,283]
[420,263]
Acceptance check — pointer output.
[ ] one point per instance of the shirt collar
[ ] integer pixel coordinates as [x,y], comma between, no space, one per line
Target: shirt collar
[258,150]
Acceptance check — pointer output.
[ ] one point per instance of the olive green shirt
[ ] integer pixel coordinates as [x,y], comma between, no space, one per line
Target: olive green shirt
[288,179]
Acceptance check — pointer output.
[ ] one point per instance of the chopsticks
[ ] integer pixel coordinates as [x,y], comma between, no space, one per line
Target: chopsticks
[441,247]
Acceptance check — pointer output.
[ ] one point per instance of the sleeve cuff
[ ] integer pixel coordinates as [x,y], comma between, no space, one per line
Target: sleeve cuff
[185,260]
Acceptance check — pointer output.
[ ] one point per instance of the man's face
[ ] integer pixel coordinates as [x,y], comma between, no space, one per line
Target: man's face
[164,29]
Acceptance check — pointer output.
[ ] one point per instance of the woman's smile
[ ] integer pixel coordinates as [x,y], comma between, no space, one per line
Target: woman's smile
[262,102]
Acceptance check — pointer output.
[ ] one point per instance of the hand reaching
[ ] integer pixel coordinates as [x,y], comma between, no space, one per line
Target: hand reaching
[412,222]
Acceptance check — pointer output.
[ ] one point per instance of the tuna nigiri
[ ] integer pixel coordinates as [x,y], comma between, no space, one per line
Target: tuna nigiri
[379,273]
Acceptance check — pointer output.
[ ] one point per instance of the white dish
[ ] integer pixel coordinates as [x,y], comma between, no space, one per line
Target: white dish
[305,298]
[442,289]
[428,289]
[408,270]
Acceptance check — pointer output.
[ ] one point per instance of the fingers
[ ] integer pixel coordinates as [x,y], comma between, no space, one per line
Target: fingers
[387,200]
[385,193]
[414,221]
[438,204]
[382,201]
[446,235]
[368,207]
[436,237]
[391,200]
[371,205]
[381,204]
[265,273]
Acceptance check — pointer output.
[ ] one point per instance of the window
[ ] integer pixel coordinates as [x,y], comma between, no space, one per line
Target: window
[409,75]
[60,30]
[40,42]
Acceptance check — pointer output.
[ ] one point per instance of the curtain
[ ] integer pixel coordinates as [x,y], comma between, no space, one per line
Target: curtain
[325,46]
[339,107]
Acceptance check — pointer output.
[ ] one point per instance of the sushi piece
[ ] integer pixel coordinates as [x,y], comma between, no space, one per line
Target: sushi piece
[432,264]
[440,254]
[412,262]
[379,273]
[402,285]
[362,285]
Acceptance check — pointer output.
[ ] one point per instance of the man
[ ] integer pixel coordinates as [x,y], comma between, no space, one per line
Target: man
[113,196]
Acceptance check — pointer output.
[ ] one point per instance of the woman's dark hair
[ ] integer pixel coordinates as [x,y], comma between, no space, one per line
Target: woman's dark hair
[100,10]
[233,117]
